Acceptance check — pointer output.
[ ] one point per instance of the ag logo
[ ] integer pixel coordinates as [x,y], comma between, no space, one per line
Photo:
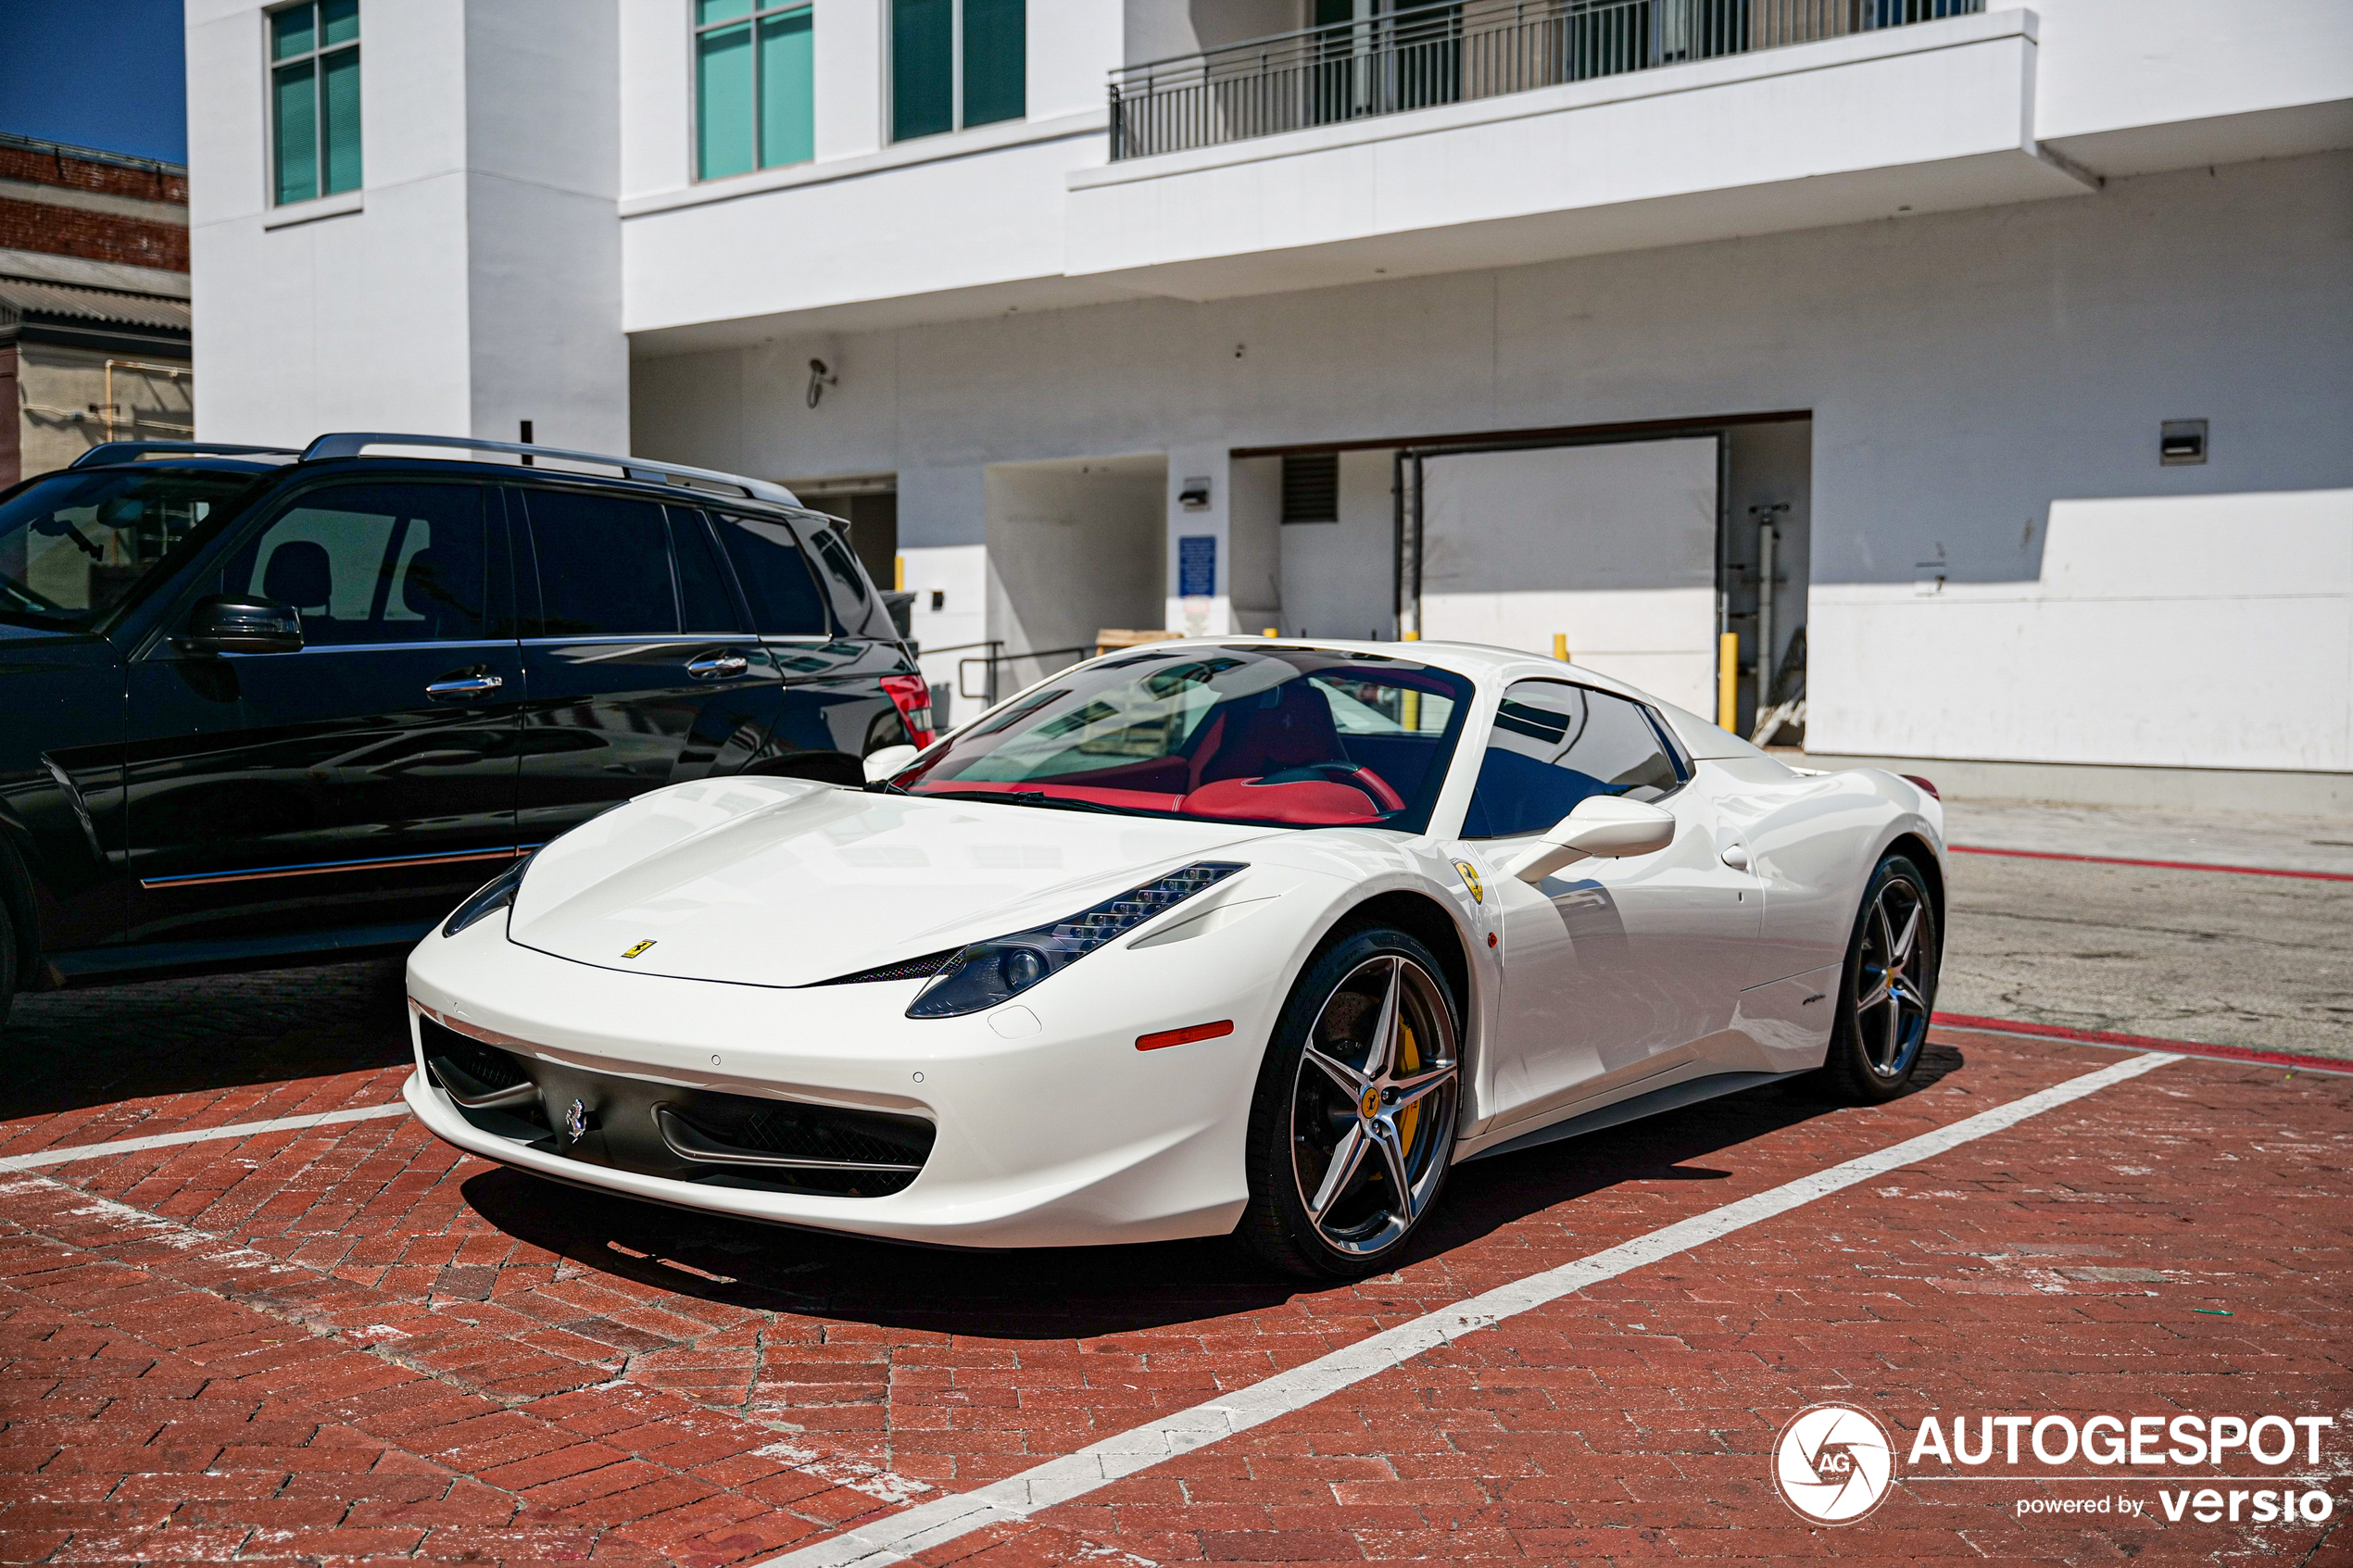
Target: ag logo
[633,952]
[1833,1464]
[1470,880]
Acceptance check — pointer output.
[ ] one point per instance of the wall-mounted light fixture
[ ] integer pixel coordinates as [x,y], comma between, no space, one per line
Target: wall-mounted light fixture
[1193,495]
[819,378]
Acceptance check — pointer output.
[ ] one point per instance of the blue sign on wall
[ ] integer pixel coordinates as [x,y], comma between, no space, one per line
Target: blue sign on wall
[1196,566]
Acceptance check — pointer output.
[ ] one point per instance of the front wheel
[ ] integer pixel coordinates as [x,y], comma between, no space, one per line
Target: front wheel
[1352,1126]
[1887,990]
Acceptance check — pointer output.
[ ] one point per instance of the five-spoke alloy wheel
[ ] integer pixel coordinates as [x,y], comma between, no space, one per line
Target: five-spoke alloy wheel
[1353,1126]
[1889,987]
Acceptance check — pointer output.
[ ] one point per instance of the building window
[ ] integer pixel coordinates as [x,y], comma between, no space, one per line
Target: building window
[314,99]
[754,86]
[956,63]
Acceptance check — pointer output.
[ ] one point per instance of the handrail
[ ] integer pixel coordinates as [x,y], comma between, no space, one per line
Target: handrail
[1435,52]
[351,444]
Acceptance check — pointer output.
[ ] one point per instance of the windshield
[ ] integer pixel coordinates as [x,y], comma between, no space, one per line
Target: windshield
[1295,737]
[72,545]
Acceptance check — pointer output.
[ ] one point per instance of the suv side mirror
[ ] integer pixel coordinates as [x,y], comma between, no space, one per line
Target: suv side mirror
[241,623]
[1607,826]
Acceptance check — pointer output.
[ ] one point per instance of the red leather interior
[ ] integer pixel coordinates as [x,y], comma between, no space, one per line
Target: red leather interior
[1313,803]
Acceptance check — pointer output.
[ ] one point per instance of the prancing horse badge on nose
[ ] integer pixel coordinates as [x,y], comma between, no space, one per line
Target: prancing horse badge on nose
[576,1121]
[633,952]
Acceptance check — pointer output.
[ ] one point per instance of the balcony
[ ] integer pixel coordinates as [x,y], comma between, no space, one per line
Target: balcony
[1518,132]
[1423,54]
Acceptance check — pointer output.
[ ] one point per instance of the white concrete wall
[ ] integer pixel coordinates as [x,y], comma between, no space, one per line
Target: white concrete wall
[1968,373]
[472,283]
[1340,579]
[1072,547]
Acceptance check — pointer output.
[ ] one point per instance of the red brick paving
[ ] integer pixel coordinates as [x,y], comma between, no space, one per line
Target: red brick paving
[352,1341]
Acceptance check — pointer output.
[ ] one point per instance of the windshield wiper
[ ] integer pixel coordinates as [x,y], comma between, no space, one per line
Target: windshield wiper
[1025,797]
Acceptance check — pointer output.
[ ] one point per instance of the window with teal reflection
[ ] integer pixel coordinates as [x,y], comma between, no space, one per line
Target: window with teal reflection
[314,100]
[956,64]
[754,86]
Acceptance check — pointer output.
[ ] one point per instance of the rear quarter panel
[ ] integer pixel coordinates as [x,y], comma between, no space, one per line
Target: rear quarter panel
[1814,840]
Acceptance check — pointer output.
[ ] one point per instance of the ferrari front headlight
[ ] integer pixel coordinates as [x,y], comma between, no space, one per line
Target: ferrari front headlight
[989,972]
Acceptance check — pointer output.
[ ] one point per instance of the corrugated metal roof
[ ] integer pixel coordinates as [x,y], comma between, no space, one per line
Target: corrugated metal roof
[22,296]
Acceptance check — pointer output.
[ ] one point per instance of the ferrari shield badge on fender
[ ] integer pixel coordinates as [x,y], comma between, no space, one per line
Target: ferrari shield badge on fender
[633,952]
[1470,880]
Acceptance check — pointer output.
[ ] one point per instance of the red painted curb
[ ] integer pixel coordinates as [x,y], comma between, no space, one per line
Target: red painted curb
[2144,1042]
[2161,865]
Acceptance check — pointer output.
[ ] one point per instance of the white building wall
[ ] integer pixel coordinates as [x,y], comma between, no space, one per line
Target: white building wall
[1970,375]
[473,282]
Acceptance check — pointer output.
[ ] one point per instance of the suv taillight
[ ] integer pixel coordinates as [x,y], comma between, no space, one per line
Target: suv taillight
[912,696]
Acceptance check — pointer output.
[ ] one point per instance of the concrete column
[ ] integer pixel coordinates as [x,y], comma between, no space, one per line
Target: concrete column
[1200,546]
[474,279]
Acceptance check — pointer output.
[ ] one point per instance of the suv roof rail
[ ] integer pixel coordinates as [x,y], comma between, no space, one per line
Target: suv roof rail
[132,451]
[351,444]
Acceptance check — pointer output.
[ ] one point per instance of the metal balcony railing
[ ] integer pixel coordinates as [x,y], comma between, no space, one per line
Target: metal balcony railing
[1420,55]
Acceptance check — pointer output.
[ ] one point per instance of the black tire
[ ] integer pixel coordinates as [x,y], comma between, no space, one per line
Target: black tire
[1887,987]
[1378,1098]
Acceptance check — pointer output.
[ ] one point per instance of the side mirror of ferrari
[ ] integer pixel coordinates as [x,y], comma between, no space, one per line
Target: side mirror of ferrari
[1603,826]
[888,761]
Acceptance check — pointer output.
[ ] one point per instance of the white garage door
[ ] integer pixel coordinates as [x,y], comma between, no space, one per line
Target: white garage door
[1612,545]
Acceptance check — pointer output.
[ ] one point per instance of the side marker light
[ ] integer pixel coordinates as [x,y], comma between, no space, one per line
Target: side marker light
[1167,1037]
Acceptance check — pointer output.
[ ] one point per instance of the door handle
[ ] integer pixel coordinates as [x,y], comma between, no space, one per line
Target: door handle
[460,688]
[717,666]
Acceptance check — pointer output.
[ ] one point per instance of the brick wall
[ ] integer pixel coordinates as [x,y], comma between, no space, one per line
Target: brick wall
[85,174]
[95,236]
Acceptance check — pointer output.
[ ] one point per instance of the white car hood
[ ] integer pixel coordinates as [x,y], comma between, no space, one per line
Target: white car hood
[775,881]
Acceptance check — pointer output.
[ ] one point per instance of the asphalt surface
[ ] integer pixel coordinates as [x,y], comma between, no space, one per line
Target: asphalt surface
[2221,957]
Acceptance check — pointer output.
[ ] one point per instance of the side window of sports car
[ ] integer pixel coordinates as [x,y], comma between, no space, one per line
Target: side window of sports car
[1553,745]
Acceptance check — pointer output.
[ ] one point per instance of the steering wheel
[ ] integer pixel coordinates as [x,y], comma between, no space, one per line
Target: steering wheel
[1352,773]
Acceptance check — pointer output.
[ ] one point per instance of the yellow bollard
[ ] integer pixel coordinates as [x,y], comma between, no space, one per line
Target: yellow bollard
[899,574]
[1727,680]
[1271,631]
[1411,637]
[1560,646]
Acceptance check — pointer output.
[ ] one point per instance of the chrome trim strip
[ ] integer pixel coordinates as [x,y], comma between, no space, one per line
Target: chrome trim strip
[321,868]
[690,1145]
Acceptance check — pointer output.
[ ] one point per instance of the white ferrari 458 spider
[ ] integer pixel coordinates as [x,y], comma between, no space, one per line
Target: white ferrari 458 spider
[1202,937]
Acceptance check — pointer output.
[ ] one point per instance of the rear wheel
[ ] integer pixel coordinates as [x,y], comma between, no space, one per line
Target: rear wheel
[1352,1126]
[1888,987]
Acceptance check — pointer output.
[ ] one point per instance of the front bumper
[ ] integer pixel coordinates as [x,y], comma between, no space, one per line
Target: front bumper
[1050,1128]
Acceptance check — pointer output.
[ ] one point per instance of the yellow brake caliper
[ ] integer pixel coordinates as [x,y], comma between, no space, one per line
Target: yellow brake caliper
[1411,1051]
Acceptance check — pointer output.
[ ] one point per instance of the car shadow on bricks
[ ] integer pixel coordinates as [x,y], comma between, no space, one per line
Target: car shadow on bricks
[74,1049]
[1066,1293]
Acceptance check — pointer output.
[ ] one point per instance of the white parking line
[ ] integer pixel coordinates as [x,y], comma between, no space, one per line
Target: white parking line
[903,1535]
[196,1134]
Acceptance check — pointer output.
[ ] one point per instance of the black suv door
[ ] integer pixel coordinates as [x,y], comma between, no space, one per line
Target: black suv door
[362,784]
[640,665]
[840,671]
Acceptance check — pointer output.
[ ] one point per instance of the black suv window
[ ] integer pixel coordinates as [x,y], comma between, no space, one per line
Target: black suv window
[606,568]
[774,575]
[374,563]
[72,543]
[1554,744]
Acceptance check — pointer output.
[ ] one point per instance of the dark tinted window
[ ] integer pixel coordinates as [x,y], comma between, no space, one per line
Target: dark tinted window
[704,603]
[1553,745]
[840,565]
[774,576]
[604,565]
[375,563]
[72,543]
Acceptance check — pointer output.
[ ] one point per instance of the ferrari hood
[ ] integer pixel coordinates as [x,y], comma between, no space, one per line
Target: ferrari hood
[773,882]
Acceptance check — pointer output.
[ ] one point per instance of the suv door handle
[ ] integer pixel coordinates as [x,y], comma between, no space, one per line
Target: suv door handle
[717,666]
[460,688]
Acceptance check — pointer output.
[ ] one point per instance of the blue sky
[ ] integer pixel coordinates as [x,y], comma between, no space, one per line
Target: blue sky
[99,73]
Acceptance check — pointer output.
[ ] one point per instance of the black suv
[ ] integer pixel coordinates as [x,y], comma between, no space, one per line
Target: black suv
[258,705]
